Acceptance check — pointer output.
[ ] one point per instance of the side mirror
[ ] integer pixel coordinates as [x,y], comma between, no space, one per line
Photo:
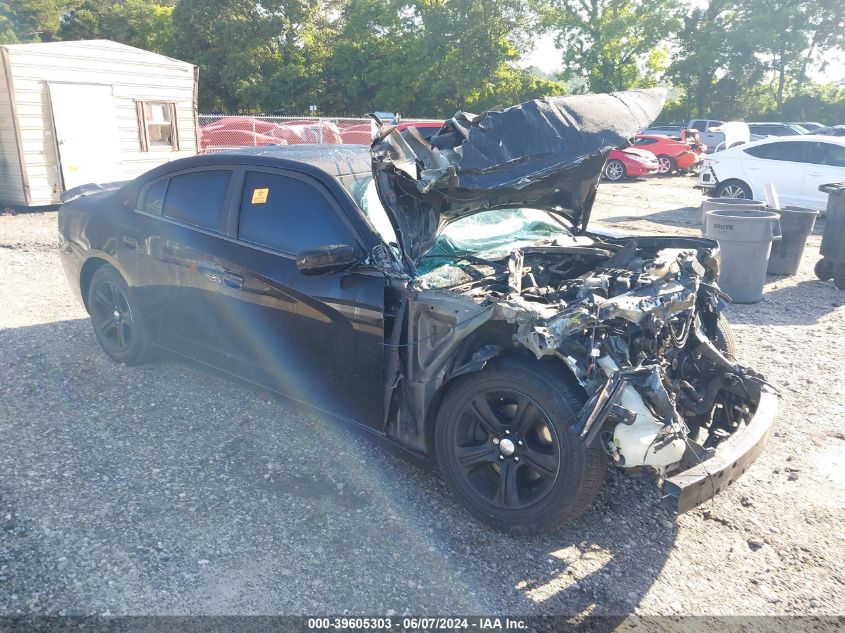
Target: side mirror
[332,258]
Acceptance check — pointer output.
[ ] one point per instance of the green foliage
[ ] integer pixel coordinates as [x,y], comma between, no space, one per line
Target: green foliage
[142,23]
[30,20]
[613,44]
[428,58]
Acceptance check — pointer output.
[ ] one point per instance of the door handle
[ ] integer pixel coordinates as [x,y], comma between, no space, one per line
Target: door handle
[233,280]
[211,271]
[815,173]
[130,241]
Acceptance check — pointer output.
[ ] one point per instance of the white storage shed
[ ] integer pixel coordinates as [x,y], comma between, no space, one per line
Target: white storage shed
[73,113]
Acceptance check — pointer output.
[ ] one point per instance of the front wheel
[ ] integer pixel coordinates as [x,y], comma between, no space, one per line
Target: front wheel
[505,447]
[614,170]
[117,322]
[733,189]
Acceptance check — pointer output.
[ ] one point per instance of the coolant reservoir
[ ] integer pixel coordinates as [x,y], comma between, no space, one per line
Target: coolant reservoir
[636,442]
[666,262]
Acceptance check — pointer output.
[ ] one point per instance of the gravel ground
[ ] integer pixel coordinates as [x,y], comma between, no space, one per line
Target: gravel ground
[166,490]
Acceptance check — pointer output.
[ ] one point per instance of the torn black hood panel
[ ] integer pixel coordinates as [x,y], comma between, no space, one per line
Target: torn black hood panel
[546,153]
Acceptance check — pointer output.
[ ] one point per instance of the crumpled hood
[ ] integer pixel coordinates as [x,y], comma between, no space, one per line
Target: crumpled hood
[546,154]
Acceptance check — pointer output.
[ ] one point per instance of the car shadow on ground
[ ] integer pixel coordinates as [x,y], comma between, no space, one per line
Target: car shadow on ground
[803,303]
[684,217]
[166,489]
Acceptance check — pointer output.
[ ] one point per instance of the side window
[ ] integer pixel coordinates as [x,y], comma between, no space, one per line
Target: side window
[154,197]
[644,141]
[197,198]
[157,125]
[833,155]
[288,214]
[793,152]
[699,125]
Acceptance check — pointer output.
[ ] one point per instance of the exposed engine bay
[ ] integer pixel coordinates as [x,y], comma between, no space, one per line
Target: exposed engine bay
[637,323]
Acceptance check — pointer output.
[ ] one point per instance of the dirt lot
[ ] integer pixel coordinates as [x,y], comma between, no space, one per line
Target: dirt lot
[164,489]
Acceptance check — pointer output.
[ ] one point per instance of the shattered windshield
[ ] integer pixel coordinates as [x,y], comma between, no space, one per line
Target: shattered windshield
[493,233]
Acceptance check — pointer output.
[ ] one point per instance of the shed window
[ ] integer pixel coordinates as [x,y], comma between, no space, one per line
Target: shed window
[157,123]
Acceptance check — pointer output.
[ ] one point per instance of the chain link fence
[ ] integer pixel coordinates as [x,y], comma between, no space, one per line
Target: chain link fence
[222,132]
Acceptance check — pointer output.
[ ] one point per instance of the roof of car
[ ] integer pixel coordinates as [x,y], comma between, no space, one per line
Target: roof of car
[332,159]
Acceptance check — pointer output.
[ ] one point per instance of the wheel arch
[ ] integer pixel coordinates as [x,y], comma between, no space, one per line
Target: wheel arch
[86,274]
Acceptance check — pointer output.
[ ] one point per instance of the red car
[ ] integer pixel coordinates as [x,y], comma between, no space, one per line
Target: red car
[671,154]
[426,128]
[629,163]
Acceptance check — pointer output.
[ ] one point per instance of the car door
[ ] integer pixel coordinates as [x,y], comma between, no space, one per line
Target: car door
[826,165]
[781,163]
[315,338]
[181,225]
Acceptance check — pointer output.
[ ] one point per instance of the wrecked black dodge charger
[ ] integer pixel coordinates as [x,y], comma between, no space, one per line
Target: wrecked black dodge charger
[445,294]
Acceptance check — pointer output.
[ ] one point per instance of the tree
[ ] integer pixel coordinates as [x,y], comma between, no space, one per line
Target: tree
[613,44]
[30,20]
[789,36]
[146,24]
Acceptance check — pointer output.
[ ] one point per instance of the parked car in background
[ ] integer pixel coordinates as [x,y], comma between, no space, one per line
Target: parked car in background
[772,128]
[796,165]
[426,128]
[832,130]
[672,130]
[810,126]
[671,154]
[630,162]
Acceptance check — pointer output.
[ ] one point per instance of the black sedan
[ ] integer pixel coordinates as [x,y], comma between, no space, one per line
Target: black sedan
[442,295]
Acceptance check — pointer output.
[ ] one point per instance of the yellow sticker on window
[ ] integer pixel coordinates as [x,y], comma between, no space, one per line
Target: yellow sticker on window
[259,196]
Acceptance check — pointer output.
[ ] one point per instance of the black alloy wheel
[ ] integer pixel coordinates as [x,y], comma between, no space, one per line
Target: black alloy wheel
[506,448]
[117,322]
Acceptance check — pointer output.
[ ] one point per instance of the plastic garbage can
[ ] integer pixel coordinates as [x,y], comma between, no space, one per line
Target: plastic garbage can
[796,224]
[714,204]
[832,263]
[745,239]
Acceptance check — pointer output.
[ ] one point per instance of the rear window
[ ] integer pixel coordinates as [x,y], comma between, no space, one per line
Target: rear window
[154,197]
[197,198]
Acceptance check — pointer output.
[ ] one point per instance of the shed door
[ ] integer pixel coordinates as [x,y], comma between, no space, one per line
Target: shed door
[86,132]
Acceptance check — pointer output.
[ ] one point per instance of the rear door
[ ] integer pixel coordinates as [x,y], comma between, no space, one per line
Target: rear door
[318,339]
[182,223]
[85,123]
[826,165]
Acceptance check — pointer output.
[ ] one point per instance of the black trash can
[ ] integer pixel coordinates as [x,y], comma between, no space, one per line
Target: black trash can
[832,263]
[796,224]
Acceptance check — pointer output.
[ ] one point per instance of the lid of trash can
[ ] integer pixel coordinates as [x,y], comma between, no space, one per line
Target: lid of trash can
[833,187]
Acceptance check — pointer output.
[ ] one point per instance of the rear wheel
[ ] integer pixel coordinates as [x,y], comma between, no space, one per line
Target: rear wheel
[614,170]
[733,189]
[505,447]
[824,269]
[665,165]
[117,322]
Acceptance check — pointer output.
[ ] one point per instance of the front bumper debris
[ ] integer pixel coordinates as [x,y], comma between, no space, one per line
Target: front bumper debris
[692,487]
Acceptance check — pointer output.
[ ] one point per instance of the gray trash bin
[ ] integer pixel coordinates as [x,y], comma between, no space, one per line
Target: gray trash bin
[796,223]
[745,239]
[716,204]
[832,263]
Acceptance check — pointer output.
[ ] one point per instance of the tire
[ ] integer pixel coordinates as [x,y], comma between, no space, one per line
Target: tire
[116,319]
[733,189]
[558,476]
[839,276]
[724,340]
[824,269]
[665,165]
[614,170]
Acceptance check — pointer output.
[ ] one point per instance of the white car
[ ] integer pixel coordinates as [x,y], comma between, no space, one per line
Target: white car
[797,165]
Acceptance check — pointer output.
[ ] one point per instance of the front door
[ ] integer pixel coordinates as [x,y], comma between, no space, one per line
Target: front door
[85,124]
[826,166]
